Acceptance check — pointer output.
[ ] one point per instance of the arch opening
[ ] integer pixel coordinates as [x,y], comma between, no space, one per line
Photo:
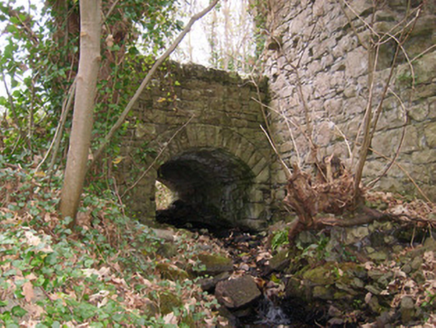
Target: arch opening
[210,188]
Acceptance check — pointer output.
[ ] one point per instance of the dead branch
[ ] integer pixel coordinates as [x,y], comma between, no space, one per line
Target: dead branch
[400,144]
[282,162]
[370,215]
[55,144]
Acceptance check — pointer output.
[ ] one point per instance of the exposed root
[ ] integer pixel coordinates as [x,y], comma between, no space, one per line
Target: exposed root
[332,192]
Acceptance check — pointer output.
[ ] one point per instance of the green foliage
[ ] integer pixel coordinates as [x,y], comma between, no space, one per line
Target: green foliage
[280,238]
[103,274]
[316,251]
[40,60]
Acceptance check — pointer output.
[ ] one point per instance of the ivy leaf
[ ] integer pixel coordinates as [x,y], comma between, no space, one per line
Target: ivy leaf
[18,311]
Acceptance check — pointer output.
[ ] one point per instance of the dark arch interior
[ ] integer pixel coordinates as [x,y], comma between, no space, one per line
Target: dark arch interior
[210,186]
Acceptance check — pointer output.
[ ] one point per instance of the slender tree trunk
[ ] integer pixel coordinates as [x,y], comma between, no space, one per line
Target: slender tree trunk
[86,81]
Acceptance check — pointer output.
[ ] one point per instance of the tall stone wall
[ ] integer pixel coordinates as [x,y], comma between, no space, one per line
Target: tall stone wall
[318,63]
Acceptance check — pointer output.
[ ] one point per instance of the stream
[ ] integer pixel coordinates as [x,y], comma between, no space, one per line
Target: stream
[250,256]
[272,309]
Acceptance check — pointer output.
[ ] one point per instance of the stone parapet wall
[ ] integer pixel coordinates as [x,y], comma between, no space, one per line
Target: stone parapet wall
[321,46]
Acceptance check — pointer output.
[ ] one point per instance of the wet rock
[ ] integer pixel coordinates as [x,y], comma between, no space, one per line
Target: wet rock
[357,283]
[345,287]
[373,303]
[407,268]
[306,238]
[214,264]
[237,293]
[295,289]
[376,274]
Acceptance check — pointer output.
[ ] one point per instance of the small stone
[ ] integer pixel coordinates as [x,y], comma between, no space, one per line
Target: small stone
[357,283]
[279,261]
[355,235]
[416,263]
[406,268]
[374,304]
[373,290]
[320,275]
[407,309]
[378,256]
[430,135]
[208,284]
[166,235]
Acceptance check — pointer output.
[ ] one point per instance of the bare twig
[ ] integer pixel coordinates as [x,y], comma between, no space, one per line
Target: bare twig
[147,79]
[397,153]
[118,196]
[372,59]
[105,17]
[360,18]
[422,53]
[404,171]
[346,141]
[297,152]
[287,120]
[55,144]
[288,172]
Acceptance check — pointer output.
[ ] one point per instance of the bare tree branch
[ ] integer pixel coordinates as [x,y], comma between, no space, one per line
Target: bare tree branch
[146,80]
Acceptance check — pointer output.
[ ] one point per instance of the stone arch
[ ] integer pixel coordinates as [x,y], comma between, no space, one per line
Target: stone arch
[205,147]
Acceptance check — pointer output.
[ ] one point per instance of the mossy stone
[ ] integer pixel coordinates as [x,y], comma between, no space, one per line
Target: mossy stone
[171,272]
[322,275]
[279,261]
[215,264]
[168,301]
[322,292]
[167,250]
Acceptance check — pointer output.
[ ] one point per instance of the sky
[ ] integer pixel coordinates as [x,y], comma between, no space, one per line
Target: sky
[197,38]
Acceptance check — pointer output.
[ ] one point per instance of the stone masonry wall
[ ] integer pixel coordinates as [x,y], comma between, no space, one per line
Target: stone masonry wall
[320,44]
[205,117]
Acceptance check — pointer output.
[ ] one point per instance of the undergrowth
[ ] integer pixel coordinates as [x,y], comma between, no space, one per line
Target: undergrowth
[103,273]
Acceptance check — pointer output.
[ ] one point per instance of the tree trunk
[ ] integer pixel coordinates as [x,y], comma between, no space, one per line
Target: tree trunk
[80,139]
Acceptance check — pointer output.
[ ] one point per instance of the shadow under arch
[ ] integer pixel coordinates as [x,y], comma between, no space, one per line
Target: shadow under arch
[211,188]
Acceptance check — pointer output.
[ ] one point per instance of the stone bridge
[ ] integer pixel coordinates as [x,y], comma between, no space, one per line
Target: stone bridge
[197,131]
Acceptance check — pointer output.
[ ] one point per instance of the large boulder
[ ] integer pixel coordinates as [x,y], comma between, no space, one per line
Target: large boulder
[237,293]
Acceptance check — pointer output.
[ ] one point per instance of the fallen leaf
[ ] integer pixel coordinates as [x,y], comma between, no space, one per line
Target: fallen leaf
[170,319]
[28,291]
[31,277]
